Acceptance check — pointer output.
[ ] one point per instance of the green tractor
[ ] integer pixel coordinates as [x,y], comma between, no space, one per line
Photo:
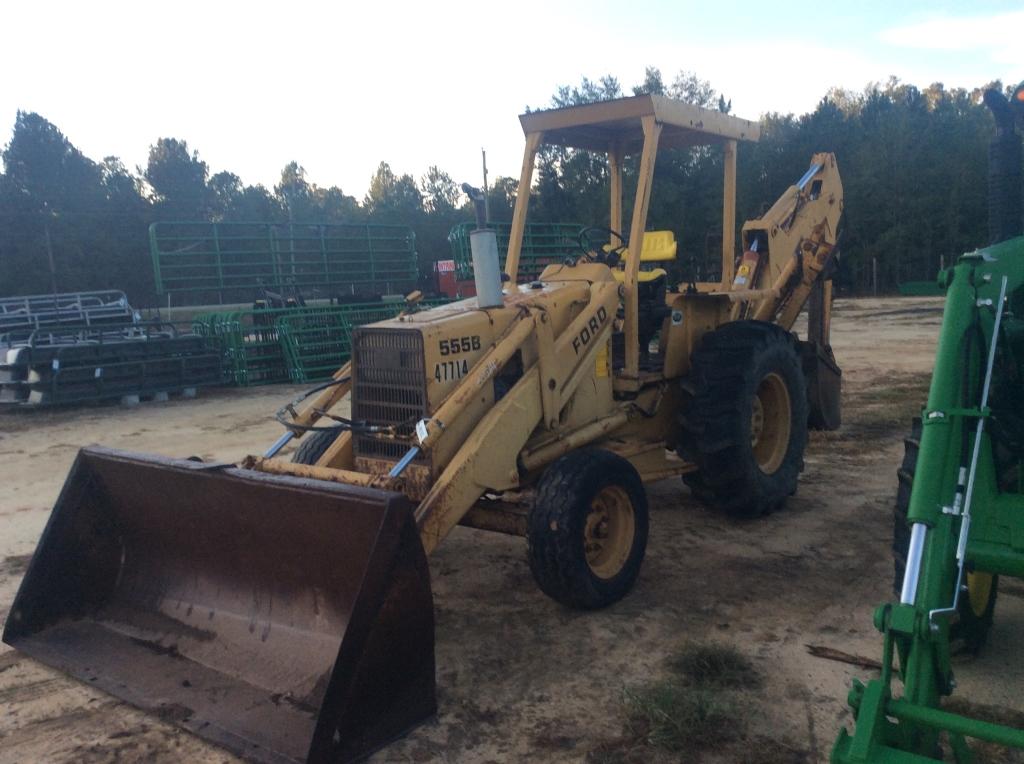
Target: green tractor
[960,505]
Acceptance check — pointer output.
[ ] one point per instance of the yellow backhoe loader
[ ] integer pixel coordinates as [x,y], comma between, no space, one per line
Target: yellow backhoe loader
[283,608]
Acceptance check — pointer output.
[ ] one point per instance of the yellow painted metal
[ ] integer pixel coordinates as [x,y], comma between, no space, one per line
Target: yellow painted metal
[339,454]
[515,239]
[650,459]
[796,237]
[486,461]
[685,124]
[699,314]
[482,372]
[645,177]
[309,412]
[331,474]
[642,277]
[979,591]
[729,214]
[615,187]
[545,453]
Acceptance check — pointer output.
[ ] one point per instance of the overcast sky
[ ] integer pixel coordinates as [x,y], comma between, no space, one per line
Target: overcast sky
[341,86]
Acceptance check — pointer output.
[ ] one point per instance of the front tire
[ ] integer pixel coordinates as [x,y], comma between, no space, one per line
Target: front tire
[314,445]
[745,425]
[587,530]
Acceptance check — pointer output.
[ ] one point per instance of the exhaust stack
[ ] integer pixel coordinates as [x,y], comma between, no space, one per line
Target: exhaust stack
[483,244]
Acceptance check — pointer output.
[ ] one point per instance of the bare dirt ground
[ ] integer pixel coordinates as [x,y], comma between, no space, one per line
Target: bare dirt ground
[519,677]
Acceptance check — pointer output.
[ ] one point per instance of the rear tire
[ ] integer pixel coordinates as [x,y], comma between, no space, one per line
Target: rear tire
[587,530]
[745,426]
[313,446]
[977,605]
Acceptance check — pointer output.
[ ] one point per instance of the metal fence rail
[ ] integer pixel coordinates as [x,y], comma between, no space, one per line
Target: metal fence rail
[301,344]
[91,363]
[20,316]
[250,343]
[220,262]
[543,245]
[316,344]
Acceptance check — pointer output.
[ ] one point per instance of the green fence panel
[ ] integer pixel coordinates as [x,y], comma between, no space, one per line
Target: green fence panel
[316,344]
[921,289]
[300,344]
[226,262]
[249,342]
[543,244]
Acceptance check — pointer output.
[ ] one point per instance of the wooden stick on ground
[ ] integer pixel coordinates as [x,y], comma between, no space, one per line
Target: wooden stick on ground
[820,651]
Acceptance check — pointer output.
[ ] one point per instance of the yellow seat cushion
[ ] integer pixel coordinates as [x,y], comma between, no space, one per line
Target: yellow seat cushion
[642,276]
[659,246]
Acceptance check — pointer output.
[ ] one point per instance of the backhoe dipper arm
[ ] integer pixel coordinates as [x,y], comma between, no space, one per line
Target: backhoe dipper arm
[791,247]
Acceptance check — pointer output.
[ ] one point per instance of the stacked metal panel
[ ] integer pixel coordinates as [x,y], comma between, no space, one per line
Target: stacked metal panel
[315,345]
[300,344]
[76,364]
[84,346]
[20,316]
[249,342]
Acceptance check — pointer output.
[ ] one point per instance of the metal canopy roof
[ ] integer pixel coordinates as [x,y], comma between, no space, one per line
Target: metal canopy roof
[597,126]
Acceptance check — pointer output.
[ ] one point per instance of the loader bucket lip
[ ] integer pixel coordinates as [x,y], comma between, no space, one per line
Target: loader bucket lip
[86,604]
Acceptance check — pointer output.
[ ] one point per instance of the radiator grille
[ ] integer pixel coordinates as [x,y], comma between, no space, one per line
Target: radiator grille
[389,386]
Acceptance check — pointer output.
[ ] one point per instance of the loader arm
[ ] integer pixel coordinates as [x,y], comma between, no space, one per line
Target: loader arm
[489,459]
[966,522]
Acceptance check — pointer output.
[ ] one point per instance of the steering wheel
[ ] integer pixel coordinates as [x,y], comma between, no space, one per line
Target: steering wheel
[587,240]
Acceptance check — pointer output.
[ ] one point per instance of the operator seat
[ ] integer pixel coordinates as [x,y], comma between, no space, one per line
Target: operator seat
[652,286]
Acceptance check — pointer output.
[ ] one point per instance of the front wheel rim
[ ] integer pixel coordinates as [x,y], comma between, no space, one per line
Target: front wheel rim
[609,531]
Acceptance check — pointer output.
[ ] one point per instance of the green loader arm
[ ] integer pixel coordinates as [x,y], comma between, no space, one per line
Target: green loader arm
[966,515]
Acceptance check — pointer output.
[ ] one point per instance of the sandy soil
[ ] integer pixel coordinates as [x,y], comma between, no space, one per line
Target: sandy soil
[518,676]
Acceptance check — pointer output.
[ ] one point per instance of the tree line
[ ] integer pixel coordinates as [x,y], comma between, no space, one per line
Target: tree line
[912,160]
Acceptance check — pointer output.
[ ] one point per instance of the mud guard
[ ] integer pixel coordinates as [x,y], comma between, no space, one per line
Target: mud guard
[824,386]
[285,619]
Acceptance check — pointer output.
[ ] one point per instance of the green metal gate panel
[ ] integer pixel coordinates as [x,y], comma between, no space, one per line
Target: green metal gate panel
[229,262]
[301,344]
[316,344]
[543,245]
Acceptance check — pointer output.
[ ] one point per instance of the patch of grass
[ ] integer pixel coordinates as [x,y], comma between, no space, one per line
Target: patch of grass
[700,704]
[715,666]
[678,717]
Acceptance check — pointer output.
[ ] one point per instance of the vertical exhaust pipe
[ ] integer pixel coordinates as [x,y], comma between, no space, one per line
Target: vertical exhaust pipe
[483,244]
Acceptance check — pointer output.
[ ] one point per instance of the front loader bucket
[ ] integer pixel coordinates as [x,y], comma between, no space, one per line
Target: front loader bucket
[285,619]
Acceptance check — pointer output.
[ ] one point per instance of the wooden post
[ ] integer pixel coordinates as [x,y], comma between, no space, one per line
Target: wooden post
[652,131]
[729,215]
[515,236]
[615,188]
[874,276]
[49,255]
